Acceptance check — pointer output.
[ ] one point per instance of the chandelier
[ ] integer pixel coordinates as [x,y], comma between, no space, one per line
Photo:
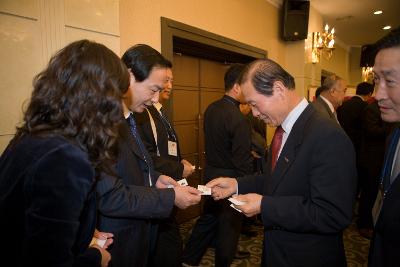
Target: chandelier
[322,44]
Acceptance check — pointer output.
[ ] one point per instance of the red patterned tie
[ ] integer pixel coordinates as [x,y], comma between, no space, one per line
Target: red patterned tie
[276,145]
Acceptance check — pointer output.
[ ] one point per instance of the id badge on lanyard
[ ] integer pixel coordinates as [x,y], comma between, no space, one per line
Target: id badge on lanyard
[172,148]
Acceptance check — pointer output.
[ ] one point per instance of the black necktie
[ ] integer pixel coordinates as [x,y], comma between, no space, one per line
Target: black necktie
[140,144]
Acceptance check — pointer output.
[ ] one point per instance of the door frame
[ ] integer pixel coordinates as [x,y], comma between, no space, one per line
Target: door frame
[208,42]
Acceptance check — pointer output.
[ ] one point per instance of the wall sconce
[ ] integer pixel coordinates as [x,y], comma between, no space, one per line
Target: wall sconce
[367,75]
[322,44]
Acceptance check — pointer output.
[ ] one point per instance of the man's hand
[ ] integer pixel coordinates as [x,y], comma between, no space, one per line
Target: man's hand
[188,168]
[164,181]
[252,204]
[104,236]
[222,187]
[105,255]
[186,196]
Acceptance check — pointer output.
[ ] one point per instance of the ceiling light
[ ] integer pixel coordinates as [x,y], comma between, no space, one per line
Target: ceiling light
[387,27]
[378,12]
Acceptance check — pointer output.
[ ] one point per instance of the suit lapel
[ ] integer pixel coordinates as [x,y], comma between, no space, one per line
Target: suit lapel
[327,108]
[289,151]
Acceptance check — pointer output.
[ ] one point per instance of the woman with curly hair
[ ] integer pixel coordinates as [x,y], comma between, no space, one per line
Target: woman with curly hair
[49,170]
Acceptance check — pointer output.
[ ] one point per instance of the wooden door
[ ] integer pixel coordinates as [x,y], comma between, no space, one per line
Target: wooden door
[197,83]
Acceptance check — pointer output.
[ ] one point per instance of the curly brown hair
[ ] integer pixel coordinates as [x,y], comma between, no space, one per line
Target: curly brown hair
[78,96]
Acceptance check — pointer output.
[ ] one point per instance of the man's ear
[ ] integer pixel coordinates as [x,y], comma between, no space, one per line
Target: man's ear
[279,88]
[132,77]
[237,89]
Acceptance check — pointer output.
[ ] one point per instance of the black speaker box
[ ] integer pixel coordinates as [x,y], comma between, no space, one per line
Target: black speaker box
[367,58]
[295,20]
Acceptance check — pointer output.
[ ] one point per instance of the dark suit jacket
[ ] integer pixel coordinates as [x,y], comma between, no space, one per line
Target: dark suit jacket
[322,107]
[385,247]
[47,204]
[374,134]
[350,115]
[165,163]
[308,199]
[127,203]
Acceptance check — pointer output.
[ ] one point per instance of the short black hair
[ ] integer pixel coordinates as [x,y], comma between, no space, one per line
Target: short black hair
[232,75]
[141,59]
[392,39]
[364,88]
[263,73]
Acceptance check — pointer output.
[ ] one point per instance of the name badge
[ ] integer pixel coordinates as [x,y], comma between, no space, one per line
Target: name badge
[376,209]
[172,148]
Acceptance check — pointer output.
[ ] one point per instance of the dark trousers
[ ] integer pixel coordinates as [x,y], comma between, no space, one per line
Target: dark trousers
[168,245]
[220,223]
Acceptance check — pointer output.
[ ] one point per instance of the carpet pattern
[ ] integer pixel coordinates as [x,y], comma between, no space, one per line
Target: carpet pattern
[356,247]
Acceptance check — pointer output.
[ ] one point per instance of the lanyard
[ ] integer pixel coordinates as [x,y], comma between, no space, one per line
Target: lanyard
[388,162]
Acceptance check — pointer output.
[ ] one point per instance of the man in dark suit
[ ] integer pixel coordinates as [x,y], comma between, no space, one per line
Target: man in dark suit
[161,141]
[127,203]
[228,153]
[350,116]
[332,93]
[371,156]
[350,113]
[307,194]
[385,246]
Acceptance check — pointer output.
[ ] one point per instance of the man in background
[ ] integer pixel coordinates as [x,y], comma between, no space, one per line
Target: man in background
[350,116]
[332,93]
[227,146]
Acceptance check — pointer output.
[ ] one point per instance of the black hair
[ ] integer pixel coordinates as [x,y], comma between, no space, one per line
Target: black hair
[232,75]
[263,73]
[364,88]
[141,59]
[392,39]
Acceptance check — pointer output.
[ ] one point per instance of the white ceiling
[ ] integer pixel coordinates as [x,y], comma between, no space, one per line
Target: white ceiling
[354,21]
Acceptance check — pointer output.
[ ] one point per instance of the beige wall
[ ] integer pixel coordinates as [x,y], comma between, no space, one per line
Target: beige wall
[254,22]
[354,68]
[32,30]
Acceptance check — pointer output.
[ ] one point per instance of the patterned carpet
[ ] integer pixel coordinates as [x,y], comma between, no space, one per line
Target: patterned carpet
[356,247]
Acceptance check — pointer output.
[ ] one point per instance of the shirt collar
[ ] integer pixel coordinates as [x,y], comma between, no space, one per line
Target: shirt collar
[231,99]
[290,120]
[328,103]
[128,114]
[158,106]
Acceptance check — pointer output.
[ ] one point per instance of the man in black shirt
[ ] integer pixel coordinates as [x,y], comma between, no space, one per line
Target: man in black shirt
[227,146]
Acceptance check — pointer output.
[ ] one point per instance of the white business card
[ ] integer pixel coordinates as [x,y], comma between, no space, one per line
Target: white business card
[233,206]
[205,191]
[236,202]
